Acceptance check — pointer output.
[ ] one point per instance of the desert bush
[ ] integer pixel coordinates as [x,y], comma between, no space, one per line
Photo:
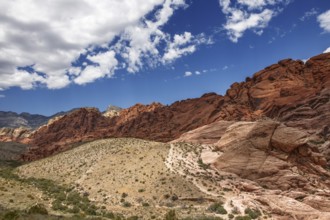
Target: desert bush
[57,205]
[124,195]
[231,216]
[217,208]
[245,217]
[75,209]
[38,209]
[145,204]
[174,197]
[127,204]
[203,218]
[253,213]
[11,215]
[91,210]
[202,164]
[74,197]
[171,215]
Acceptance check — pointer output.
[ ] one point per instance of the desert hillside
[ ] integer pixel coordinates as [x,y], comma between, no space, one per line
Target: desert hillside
[132,177]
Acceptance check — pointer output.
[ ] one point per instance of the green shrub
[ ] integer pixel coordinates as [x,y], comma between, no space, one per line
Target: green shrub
[202,164]
[245,217]
[203,218]
[174,197]
[171,215]
[74,209]
[11,215]
[127,204]
[109,215]
[253,213]
[38,209]
[74,197]
[217,208]
[57,205]
[124,195]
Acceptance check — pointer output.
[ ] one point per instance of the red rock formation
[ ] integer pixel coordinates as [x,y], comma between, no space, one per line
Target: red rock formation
[289,91]
[21,134]
[84,124]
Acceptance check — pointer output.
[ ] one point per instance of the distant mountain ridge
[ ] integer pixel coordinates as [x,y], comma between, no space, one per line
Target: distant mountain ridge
[9,119]
[14,120]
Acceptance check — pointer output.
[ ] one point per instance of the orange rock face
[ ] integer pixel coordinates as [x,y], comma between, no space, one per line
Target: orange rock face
[292,92]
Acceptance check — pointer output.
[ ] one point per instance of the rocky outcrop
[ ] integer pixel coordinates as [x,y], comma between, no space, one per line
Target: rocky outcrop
[289,91]
[112,111]
[165,123]
[275,156]
[83,124]
[207,134]
[21,134]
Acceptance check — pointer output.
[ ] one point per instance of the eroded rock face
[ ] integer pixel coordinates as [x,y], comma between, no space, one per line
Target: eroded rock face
[288,139]
[80,125]
[21,134]
[207,134]
[270,153]
[279,160]
[112,111]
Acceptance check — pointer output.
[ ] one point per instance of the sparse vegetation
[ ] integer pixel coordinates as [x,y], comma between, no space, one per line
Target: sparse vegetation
[203,218]
[38,209]
[253,213]
[217,208]
[171,215]
[202,164]
[245,217]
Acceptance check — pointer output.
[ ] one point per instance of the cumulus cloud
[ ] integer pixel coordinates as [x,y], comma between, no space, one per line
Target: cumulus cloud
[324,20]
[188,73]
[104,66]
[50,36]
[243,15]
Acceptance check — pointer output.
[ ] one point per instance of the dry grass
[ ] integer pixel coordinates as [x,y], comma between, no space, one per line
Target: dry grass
[116,173]
[15,194]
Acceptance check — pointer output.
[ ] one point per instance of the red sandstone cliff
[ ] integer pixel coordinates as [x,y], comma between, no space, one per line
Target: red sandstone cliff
[293,92]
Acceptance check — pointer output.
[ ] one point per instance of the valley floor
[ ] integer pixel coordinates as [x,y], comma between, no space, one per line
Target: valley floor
[125,177]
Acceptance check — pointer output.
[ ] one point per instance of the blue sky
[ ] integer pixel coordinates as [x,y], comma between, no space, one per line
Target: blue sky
[59,55]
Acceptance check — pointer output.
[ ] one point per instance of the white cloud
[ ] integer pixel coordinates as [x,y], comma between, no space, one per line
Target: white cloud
[2,96]
[197,72]
[324,20]
[188,73]
[327,50]
[309,14]
[225,67]
[22,79]
[49,36]
[105,64]
[243,15]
